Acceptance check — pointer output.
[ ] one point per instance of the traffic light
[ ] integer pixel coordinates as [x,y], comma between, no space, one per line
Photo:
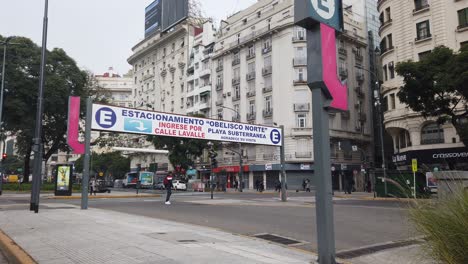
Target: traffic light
[4,156]
[214,162]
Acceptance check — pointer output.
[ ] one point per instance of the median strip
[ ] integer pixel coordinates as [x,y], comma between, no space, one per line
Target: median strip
[105,197]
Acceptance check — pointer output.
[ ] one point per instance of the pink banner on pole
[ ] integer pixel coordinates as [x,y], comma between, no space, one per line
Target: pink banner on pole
[338,90]
[73,125]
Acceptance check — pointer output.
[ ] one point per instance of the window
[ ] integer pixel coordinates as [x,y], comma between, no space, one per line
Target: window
[390,41]
[251,67]
[237,91]
[381,18]
[385,104]
[301,75]
[251,51]
[267,43]
[236,73]
[388,14]
[392,101]
[422,30]
[424,54]
[391,69]
[432,133]
[463,18]
[252,107]
[268,103]
[251,86]
[182,102]
[299,33]
[384,69]
[301,120]
[300,52]
[420,4]
[267,61]
[237,110]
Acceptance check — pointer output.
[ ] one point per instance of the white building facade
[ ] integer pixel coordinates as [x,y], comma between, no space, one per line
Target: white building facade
[260,76]
[409,30]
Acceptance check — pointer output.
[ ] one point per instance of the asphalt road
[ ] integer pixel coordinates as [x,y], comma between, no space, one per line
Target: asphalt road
[358,223]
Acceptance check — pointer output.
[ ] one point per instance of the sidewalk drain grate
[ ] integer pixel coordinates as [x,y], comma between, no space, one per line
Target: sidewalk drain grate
[278,239]
[373,249]
[187,241]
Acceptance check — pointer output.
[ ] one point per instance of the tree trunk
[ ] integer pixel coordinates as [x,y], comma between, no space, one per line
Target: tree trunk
[27,161]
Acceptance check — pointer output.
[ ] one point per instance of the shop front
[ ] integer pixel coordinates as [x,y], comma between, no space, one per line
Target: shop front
[228,175]
[269,174]
[433,159]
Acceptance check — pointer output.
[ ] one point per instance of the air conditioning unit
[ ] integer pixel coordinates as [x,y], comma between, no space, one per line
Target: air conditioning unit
[224,95]
[229,94]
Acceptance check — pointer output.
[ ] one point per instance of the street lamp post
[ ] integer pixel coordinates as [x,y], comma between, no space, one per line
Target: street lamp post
[5,44]
[381,129]
[38,146]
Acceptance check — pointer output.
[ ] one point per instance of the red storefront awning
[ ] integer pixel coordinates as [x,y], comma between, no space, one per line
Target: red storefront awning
[230,169]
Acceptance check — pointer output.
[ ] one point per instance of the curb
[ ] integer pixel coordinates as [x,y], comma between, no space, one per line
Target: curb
[13,252]
[104,197]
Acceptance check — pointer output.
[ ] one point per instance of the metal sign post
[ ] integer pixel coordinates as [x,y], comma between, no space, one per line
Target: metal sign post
[284,197]
[321,19]
[414,163]
[85,180]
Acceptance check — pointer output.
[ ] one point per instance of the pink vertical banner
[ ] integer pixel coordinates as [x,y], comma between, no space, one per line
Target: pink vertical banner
[74,125]
[338,90]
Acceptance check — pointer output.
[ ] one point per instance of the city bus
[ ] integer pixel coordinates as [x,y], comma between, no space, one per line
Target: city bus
[145,178]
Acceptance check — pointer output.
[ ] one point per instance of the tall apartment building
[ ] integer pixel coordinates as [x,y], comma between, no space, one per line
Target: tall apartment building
[199,80]
[410,30]
[260,77]
[119,88]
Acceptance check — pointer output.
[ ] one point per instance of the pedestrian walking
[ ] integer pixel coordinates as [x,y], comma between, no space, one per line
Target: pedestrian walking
[307,185]
[304,183]
[92,187]
[168,185]
[257,185]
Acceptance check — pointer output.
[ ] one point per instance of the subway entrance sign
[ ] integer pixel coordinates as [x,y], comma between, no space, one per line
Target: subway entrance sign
[135,121]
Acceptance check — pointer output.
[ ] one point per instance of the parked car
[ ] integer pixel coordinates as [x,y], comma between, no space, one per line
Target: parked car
[179,185]
[159,186]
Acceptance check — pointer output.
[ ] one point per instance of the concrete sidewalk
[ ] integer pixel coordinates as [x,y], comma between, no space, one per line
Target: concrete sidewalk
[77,195]
[64,234]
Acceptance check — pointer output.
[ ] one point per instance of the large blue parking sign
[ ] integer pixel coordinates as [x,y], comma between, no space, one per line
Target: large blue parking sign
[309,12]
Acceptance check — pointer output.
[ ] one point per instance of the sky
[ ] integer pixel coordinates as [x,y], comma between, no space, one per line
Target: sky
[98,34]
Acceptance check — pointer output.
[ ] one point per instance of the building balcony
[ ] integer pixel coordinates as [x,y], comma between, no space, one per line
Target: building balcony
[250,76]
[250,55]
[423,37]
[268,113]
[219,102]
[342,51]
[301,107]
[235,61]
[359,77]
[300,82]
[300,62]
[205,88]
[267,70]
[219,86]
[432,141]
[303,155]
[219,68]
[267,89]
[251,116]
[420,8]
[266,50]
[359,92]
[251,93]
[302,131]
[362,117]
[235,81]
[385,25]
[236,97]
[343,72]
[205,72]
[299,39]
[204,105]
[462,27]
[358,57]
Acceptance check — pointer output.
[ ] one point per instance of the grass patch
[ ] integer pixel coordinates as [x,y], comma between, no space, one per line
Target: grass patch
[444,224]
[25,187]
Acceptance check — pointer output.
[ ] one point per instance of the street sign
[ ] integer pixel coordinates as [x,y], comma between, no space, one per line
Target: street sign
[328,12]
[414,165]
[268,167]
[126,120]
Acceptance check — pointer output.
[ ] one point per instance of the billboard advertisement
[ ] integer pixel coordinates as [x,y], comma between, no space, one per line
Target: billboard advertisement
[153,17]
[126,120]
[173,11]
[63,180]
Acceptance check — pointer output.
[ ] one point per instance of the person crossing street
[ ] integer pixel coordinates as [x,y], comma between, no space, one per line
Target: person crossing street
[168,185]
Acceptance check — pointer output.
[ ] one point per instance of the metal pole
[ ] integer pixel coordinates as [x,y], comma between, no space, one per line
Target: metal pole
[284,197]
[211,184]
[384,167]
[1,106]
[86,160]
[241,171]
[1,169]
[414,180]
[322,165]
[38,146]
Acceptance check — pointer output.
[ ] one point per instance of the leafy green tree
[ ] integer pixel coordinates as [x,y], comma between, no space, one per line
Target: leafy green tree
[63,78]
[111,163]
[437,86]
